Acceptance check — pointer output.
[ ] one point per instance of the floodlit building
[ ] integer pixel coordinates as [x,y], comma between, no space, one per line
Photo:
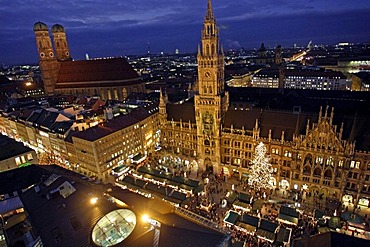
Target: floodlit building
[300,79]
[317,140]
[99,149]
[111,78]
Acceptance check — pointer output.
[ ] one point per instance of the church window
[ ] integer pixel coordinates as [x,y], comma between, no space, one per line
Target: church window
[317,172]
[58,44]
[207,50]
[287,153]
[340,163]
[213,49]
[357,165]
[328,174]
[318,160]
[307,170]
[352,164]
[329,161]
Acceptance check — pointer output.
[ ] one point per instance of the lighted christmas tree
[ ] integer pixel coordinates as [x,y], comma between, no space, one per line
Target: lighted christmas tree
[261,170]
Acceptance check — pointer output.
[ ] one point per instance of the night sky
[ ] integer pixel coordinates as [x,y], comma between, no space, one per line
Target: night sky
[124,27]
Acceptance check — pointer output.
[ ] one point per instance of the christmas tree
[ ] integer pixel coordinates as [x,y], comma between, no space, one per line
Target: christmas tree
[261,170]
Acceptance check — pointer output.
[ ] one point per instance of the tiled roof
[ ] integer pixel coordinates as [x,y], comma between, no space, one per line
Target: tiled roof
[18,179]
[10,148]
[184,111]
[350,108]
[101,72]
[116,124]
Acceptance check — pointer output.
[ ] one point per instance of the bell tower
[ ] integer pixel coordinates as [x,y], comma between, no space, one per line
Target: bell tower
[60,43]
[48,63]
[211,100]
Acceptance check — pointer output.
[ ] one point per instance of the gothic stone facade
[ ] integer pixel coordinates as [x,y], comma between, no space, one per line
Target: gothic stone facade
[308,151]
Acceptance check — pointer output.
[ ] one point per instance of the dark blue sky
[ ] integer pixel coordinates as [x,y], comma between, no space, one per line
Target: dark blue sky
[124,27]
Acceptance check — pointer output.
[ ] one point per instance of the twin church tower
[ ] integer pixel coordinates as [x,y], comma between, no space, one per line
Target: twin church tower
[49,61]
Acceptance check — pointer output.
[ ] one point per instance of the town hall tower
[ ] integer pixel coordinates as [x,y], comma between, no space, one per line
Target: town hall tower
[211,100]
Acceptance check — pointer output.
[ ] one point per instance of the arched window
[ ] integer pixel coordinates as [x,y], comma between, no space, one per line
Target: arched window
[317,172]
[58,44]
[207,50]
[213,49]
[307,170]
[308,159]
[328,174]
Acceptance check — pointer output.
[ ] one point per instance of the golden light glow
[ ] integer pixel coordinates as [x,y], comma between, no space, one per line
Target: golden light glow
[145,218]
[94,200]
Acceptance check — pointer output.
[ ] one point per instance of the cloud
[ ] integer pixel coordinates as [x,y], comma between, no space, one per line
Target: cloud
[124,27]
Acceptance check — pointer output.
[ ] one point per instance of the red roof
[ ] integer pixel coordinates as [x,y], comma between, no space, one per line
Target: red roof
[114,71]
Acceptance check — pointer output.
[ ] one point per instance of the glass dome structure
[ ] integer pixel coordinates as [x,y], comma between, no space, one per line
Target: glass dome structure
[114,227]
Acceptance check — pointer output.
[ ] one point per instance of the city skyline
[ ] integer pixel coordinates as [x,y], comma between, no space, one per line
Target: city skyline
[113,28]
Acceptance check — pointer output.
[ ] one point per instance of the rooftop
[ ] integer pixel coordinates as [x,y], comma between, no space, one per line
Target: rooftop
[11,148]
[107,72]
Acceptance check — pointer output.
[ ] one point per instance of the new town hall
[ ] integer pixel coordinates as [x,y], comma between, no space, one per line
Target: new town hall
[318,141]
[319,144]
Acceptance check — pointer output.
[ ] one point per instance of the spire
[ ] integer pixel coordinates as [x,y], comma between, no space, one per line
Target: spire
[162,100]
[332,115]
[209,14]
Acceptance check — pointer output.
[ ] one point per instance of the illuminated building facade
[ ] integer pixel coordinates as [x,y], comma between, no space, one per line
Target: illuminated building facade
[318,151]
[311,148]
[97,150]
[112,78]
[301,79]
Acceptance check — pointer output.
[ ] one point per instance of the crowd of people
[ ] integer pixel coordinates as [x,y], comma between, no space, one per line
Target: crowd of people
[210,204]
